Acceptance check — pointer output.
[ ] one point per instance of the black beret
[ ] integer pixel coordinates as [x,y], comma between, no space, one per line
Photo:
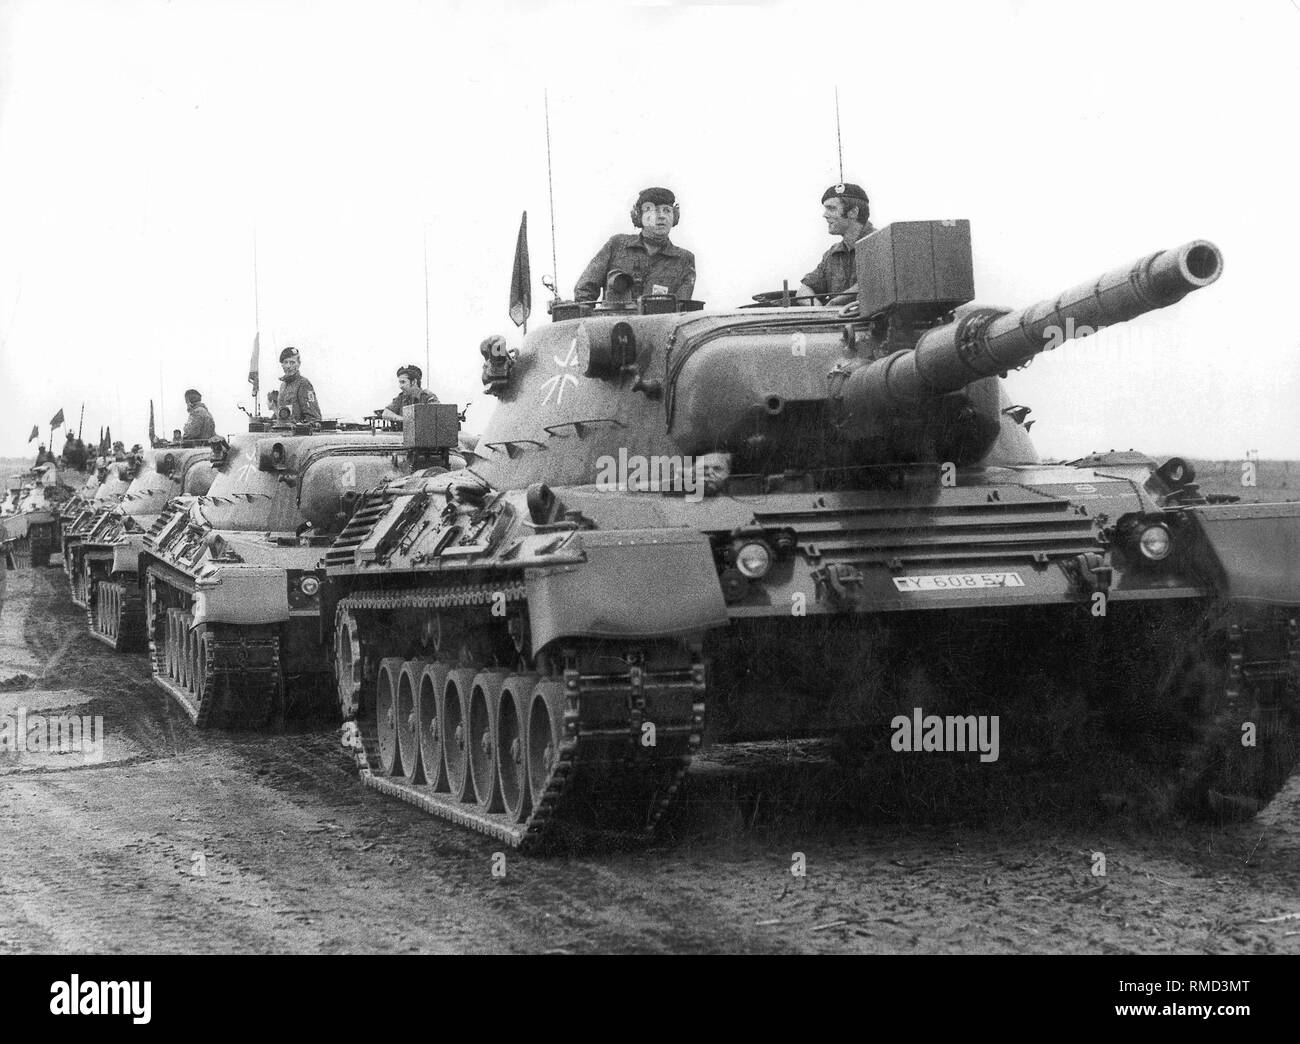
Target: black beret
[657,196]
[846,190]
[289,353]
[412,371]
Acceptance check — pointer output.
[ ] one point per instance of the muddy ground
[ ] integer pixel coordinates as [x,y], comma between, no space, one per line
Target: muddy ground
[180,841]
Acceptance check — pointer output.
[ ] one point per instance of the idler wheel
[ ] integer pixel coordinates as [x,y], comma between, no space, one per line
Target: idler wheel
[347,663]
[484,704]
[512,745]
[390,670]
[433,679]
[545,734]
[454,714]
[408,723]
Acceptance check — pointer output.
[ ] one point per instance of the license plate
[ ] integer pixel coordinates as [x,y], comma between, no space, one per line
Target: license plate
[957,581]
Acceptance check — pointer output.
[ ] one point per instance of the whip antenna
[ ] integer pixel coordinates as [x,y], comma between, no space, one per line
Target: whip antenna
[427,368]
[839,147]
[255,365]
[550,192]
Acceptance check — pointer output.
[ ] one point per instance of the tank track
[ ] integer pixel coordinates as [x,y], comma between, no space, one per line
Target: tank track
[18,551]
[598,759]
[222,677]
[78,580]
[1240,668]
[115,615]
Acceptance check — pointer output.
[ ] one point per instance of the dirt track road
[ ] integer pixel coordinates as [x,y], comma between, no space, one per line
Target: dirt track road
[180,841]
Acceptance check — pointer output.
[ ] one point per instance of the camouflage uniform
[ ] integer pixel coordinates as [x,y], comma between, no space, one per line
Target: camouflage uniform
[297,393]
[838,269]
[669,271]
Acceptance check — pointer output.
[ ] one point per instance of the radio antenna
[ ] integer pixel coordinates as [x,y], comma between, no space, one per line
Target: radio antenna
[427,368]
[255,366]
[839,147]
[550,192]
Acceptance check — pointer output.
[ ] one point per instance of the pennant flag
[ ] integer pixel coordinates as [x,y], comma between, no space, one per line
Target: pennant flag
[254,364]
[36,431]
[152,438]
[57,420]
[521,286]
[99,449]
[108,439]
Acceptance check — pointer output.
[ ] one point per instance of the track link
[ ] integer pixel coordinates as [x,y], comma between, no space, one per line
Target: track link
[600,778]
[1239,678]
[222,677]
[116,616]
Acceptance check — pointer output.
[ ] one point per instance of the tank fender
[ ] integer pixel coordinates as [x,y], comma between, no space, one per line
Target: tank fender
[1253,550]
[126,554]
[253,595]
[635,583]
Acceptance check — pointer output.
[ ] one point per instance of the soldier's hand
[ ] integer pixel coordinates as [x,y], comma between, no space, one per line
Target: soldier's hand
[493,347]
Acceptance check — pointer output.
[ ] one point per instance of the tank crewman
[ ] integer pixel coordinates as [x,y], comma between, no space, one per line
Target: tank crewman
[74,452]
[176,436]
[647,262]
[409,393]
[200,424]
[295,391]
[119,450]
[43,456]
[847,211]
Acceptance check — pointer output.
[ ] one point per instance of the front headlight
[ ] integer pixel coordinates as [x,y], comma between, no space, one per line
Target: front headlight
[1155,543]
[753,559]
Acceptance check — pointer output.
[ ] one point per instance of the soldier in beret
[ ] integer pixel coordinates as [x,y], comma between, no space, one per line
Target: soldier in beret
[847,211]
[296,391]
[646,262]
[200,424]
[409,392]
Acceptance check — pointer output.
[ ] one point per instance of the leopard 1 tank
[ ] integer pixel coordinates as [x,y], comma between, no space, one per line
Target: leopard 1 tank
[107,555]
[784,515]
[113,480]
[29,525]
[232,578]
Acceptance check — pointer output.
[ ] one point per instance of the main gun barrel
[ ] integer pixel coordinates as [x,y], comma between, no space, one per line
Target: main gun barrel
[983,342]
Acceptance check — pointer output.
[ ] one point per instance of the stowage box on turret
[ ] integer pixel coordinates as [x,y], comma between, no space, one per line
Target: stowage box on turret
[697,526]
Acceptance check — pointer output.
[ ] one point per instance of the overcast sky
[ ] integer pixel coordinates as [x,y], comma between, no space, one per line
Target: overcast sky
[145,145]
